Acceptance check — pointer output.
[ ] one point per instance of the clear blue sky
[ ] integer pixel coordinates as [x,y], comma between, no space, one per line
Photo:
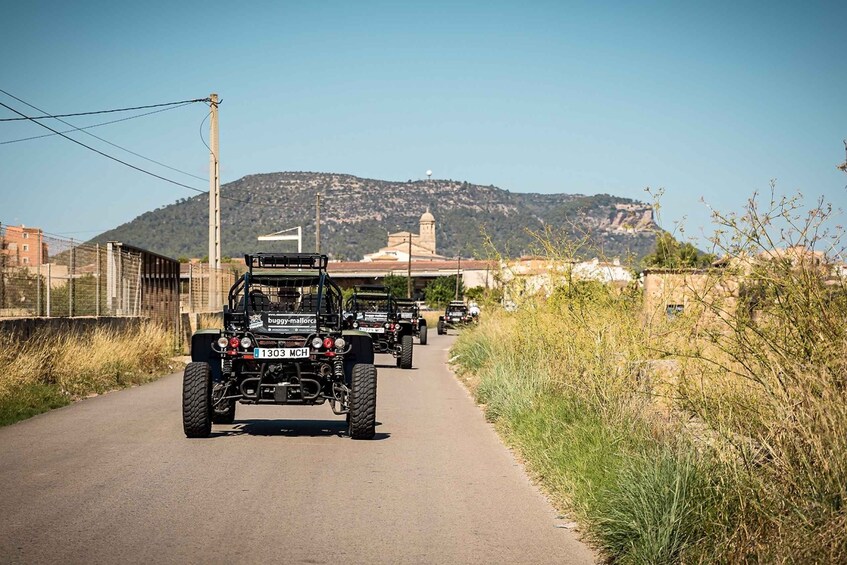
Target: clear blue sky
[708,99]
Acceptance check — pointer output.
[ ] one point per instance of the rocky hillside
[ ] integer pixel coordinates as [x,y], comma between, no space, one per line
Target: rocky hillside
[357,213]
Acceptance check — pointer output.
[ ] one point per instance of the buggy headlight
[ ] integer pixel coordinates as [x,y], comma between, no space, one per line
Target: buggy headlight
[317,342]
[223,342]
[340,343]
[246,342]
[355,324]
[387,325]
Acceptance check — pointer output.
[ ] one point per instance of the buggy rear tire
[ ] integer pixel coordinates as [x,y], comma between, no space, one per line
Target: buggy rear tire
[422,335]
[197,400]
[441,330]
[406,347]
[362,416]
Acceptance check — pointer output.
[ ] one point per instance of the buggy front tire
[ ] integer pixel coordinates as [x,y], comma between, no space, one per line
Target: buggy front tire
[197,400]
[362,416]
[406,347]
[440,328]
[422,335]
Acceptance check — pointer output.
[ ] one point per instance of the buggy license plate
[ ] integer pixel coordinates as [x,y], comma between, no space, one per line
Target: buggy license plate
[373,330]
[281,353]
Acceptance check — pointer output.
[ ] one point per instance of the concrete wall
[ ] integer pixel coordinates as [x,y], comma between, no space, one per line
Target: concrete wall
[24,328]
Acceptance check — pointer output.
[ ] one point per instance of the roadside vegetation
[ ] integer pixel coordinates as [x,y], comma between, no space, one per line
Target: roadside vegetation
[51,369]
[714,435]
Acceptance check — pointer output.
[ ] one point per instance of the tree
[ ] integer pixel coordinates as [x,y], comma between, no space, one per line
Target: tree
[671,254]
[442,290]
[396,284]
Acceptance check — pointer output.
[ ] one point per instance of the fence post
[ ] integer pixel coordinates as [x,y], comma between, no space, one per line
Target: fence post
[97,281]
[49,288]
[71,281]
[38,290]
[190,294]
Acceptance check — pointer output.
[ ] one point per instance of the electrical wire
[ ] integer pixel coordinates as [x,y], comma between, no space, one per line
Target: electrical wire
[140,156]
[130,165]
[201,132]
[95,125]
[192,101]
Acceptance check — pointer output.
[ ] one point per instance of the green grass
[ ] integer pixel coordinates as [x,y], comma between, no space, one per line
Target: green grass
[30,400]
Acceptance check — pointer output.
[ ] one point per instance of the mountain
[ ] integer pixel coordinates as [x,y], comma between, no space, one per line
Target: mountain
[357,213]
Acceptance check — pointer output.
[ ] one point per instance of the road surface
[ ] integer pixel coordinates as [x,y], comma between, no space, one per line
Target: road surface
[112,479]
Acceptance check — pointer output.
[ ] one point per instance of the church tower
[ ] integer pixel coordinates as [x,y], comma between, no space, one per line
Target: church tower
[427,237]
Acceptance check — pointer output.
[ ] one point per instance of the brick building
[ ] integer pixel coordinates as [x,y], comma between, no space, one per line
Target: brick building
[21,246]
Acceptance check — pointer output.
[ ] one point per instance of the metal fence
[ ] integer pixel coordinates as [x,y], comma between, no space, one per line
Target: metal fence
[55,277]
[48,276]
[203,289]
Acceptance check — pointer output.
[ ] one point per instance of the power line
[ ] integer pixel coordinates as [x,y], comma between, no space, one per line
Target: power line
[104,140]
[131,166]
[95,125]
[106,111]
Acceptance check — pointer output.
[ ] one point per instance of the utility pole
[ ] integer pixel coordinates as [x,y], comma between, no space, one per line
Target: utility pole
[2,268]
[318,223]
[409,270]
[458,268]
[214,206]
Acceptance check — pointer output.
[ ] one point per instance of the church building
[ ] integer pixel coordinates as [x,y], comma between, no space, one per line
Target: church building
[423,244]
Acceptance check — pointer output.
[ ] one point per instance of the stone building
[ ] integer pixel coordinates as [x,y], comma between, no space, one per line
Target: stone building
[423,247]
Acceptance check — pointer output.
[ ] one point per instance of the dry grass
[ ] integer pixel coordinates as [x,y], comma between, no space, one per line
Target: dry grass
[51,369]
[718,436]
[431,317]
[210,321]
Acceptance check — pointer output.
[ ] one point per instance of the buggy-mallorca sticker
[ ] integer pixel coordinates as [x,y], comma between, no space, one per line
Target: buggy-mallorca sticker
[276,322]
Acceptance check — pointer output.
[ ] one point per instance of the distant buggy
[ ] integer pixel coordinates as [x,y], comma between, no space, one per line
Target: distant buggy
[408,310]
[456,315]
[282,343]
[373,310]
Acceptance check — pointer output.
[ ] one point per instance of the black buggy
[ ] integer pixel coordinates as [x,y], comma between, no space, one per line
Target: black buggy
[455,316]
[282,343]
[373,310]
[408,309]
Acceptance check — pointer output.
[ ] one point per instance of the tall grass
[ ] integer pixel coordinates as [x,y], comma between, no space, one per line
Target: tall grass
[558,378]
[50,369]
[720,435]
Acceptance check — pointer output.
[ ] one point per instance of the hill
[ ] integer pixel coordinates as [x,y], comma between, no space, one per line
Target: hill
[357,213]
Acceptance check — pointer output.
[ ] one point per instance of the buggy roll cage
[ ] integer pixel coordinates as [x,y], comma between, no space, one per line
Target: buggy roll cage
[406,304]
[374,292]
[457,305]
[287,262]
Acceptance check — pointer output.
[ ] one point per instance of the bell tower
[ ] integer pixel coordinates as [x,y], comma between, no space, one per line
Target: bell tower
[427,237]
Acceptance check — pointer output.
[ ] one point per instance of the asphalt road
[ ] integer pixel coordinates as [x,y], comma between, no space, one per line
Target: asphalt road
[112,479]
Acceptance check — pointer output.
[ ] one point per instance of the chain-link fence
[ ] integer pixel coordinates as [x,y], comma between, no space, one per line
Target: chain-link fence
[42,275]
[204,289]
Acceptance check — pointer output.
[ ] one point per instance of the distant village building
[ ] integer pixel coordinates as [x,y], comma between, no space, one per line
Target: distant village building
[21,246]
[423,244]
[538,274]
